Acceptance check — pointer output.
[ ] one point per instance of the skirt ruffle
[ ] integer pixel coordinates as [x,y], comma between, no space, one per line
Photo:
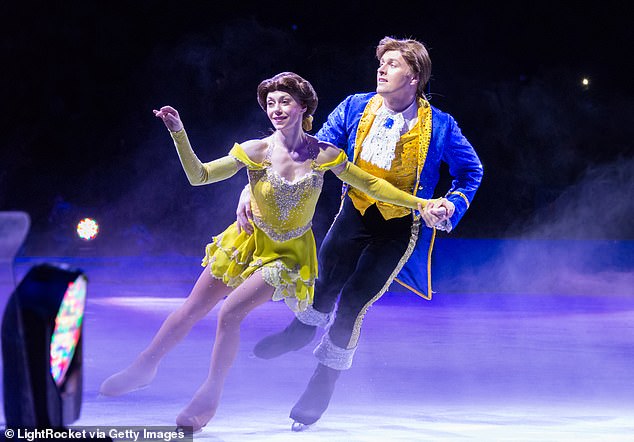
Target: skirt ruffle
[290,266]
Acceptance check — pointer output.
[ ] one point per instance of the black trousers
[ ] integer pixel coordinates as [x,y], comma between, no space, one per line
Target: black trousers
[356,259]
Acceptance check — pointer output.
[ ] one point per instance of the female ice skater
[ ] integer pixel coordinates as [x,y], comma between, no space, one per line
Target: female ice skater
[278,260]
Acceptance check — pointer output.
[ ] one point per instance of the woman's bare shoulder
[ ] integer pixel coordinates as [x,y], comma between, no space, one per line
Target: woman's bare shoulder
[327,152]
[256,149]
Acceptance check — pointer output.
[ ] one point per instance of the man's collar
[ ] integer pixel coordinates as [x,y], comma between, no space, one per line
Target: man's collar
[409,113]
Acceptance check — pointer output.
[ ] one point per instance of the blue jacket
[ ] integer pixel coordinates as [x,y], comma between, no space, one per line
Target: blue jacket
[447,144]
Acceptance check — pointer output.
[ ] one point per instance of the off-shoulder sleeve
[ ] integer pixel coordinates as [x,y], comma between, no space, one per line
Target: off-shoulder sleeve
[199,173]
[378,188]
[341,158]
[239,154]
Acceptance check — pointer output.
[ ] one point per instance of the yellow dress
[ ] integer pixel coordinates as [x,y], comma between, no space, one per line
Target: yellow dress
[282,244]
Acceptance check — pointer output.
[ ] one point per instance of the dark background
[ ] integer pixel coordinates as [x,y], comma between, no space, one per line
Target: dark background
[79,83]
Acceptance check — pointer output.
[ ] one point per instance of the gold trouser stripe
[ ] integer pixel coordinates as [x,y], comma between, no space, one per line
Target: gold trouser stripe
[356,329]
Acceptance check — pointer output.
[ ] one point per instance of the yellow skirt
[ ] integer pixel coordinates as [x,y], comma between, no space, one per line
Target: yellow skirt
[289,266]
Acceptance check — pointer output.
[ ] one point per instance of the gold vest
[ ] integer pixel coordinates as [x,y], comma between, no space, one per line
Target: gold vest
[403,172]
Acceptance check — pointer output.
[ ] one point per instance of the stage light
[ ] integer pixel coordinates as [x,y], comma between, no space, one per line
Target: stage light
[87,229]
[42,348]
[585,82]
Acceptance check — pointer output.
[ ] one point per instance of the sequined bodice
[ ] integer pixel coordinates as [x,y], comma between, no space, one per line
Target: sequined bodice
[284,209]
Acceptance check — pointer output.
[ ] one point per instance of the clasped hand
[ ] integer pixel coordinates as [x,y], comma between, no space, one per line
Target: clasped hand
[436,211]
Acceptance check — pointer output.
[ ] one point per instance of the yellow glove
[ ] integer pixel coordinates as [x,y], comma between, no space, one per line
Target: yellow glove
[378,188]
[199,173]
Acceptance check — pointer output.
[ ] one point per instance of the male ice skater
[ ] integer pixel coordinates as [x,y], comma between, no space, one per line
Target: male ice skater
[397,135]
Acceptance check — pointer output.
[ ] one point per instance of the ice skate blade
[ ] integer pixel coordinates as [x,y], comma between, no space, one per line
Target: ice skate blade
[298,426]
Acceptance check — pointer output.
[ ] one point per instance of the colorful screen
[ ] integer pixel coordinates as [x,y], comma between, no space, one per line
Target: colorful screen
[67,328]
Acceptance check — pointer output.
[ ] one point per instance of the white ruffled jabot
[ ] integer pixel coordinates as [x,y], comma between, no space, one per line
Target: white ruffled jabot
[380,144]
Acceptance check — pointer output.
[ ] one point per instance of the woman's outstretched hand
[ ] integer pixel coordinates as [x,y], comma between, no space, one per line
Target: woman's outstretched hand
[170,117]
